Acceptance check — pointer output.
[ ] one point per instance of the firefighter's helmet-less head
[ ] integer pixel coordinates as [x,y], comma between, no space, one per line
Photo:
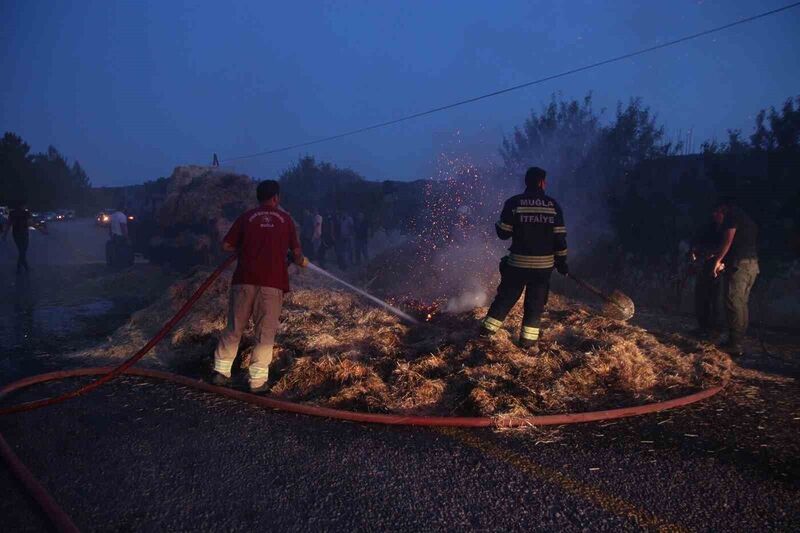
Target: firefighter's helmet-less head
[535,178]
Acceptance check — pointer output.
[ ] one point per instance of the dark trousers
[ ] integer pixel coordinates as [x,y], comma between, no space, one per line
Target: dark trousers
[340,251]
[513,280]
[361,250]
[322,252]
[119,253]
[305,244]
[706,297]
[21,240]
[739,277]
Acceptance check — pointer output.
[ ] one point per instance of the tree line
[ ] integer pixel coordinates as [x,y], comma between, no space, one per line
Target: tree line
[620,179]
[626,178]
[43,181]
[327,188]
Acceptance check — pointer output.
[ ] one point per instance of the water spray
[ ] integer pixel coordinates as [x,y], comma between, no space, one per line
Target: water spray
[392,309]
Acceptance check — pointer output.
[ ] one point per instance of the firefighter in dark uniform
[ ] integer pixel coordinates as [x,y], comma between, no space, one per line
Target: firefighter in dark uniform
[535,224]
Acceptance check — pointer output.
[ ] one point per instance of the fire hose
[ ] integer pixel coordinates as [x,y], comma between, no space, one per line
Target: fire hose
[62,521]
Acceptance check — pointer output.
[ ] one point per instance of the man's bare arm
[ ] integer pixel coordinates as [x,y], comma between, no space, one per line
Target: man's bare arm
[727,241]
[228,247]
[299,259]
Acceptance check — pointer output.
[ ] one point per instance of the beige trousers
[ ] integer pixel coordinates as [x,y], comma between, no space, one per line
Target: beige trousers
[264,305]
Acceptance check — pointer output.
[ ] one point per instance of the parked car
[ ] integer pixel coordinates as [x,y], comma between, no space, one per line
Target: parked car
[38,222]
[103,218]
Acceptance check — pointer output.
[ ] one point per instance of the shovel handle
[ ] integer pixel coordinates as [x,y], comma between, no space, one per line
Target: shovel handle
[589,288]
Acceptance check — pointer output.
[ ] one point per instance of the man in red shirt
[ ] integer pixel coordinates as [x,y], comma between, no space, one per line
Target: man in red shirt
[262,237]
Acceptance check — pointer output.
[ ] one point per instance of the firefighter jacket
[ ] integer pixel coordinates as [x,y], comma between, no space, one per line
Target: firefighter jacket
[535,224]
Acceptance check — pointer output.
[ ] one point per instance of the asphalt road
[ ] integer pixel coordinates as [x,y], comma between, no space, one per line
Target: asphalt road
[143,455]
[71,242]
[149,456]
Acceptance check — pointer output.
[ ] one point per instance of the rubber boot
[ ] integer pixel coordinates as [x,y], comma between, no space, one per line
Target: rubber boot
[255,388]
[732,346]
[485,333]
[220,380]
[527,344]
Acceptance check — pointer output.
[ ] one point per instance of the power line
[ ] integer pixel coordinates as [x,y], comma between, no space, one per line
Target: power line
[522,85]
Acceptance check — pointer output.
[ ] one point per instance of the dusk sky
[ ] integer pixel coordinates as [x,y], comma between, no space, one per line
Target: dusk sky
[132,89]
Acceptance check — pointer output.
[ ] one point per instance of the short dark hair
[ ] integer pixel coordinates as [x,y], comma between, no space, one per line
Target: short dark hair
[267,189]
[534,176]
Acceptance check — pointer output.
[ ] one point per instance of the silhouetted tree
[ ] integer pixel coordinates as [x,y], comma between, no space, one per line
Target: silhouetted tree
[15,169]
[761,174]
[45,181]
[590,163]
[559,138]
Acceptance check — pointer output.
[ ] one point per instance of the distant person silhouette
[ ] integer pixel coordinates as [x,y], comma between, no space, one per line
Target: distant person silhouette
[348,235]
[19,221]
[316,234]
[215,161]
[328,237]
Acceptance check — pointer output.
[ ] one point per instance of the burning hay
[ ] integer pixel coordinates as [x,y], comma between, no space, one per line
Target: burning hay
[336,350]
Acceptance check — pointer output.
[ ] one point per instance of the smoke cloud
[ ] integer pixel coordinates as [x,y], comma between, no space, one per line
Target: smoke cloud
[467,301]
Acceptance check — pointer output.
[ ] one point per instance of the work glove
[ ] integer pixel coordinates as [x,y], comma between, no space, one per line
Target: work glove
[562,268]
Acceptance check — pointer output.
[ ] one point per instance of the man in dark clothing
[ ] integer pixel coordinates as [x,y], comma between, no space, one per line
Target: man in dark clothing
[339,244]
[362,238]
[737,262]
[328,238]
[306,232]
[19,221]
[535,224]
[348,237]
[707,286]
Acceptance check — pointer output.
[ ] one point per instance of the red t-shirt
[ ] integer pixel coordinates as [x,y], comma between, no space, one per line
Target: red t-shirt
[263,236]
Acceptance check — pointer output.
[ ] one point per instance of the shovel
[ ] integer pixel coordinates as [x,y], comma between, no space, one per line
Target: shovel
[617,305]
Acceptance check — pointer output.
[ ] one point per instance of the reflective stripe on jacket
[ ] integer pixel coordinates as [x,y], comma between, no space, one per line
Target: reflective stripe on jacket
[535,224]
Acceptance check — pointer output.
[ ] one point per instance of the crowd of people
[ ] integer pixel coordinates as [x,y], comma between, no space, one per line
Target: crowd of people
[339,232]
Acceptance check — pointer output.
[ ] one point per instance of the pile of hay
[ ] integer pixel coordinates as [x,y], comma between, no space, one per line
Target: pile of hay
[200,207]
[336,350]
